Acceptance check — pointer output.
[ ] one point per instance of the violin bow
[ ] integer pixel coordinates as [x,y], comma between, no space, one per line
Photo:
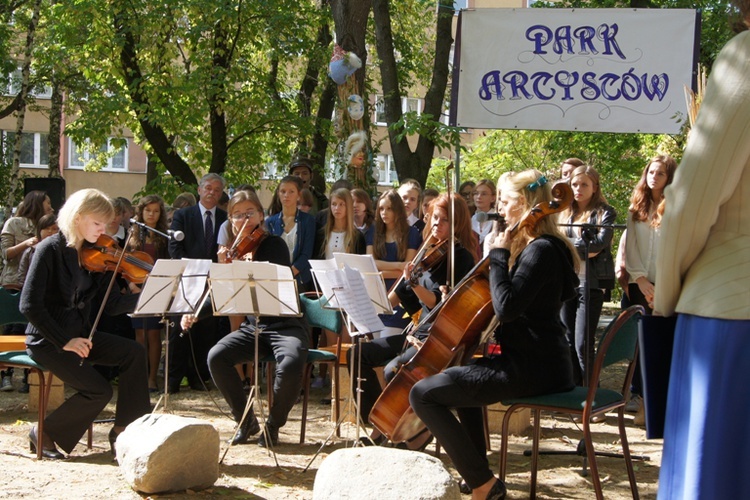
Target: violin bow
[109,289]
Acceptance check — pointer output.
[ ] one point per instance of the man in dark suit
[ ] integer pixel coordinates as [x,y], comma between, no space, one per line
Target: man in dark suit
[201,224]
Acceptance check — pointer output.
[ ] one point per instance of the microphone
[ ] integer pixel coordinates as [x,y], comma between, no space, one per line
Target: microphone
[176,235]
[171,234]
[484,216]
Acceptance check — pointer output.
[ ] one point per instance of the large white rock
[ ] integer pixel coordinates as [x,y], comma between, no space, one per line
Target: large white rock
[383,473]
[160,453]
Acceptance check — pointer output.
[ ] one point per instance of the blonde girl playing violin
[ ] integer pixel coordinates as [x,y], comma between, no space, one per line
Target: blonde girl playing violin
[57,298]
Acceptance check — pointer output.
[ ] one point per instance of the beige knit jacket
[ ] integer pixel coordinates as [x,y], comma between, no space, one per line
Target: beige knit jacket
[703,256]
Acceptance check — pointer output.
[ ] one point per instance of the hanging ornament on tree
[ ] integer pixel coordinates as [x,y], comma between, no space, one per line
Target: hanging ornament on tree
[343,64]
[355,106]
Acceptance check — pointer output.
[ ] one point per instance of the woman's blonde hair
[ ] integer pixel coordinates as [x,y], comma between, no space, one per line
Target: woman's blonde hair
[82,202]
[534,190]
[349,233]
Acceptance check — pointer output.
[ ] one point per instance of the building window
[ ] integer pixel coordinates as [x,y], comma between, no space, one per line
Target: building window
[14,87]
[34,148]
[386,170]
[117,157]
[460,4]
[407,104]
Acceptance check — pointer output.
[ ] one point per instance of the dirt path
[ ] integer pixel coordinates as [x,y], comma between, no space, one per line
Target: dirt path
[248,472]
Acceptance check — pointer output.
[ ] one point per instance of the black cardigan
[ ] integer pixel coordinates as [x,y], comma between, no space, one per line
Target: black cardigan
[59,294]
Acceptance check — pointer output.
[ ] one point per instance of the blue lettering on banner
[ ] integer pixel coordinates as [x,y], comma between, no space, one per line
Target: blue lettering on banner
[581,40]
[542,85]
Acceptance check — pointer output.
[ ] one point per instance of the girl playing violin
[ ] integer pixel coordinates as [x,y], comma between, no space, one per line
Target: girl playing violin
[57,299]
[285,338]
[532,273]
[425,293]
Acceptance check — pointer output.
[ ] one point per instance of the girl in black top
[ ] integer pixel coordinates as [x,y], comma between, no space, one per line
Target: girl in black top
[287,339]
[589,207]
[57,299]
[531,275]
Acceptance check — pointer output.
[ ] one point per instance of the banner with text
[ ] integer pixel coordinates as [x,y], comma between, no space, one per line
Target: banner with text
[593,70]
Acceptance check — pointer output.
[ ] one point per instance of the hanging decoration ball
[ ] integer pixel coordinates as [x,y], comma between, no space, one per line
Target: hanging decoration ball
[355,107]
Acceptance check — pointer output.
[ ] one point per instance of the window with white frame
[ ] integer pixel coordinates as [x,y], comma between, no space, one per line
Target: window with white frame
[14,87]
[79,156]
[407,104]
[34,148]
[386,170]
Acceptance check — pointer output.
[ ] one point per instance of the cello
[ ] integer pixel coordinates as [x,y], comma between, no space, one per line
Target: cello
[461,323]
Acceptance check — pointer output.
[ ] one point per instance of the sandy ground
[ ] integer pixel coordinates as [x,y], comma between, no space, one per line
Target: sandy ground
[249,472]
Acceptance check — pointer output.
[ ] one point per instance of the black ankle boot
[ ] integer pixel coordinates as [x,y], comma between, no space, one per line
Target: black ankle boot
[250,427]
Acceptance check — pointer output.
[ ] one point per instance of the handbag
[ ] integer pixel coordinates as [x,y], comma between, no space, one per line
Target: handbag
[656,338]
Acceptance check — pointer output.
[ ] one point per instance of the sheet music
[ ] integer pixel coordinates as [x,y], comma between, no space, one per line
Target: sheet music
[365,264]
[192,287]
[274,285]
[349,286]
[173,287]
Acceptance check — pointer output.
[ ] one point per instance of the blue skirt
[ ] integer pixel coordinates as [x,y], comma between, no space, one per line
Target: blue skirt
[707,435]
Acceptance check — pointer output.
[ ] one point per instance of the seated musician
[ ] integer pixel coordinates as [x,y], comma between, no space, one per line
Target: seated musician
[58,297]
[532,273]
[287,339]
[424,295]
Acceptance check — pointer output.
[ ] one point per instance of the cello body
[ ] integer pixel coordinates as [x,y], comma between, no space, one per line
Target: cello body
[459,327]
[454,337]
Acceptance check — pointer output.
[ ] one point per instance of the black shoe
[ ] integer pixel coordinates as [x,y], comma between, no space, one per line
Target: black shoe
[51,453]
[273,433]
[24,388]
[250,427]
[198,386]
[498,491]
[173,389]
[464,488]
[112,440]
[376,441]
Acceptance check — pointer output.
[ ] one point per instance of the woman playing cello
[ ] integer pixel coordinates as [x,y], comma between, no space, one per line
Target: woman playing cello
[532,273]
[425,293]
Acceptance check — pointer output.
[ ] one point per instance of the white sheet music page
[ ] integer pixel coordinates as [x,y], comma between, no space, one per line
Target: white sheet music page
[373,280]
[156,294]
[352,295]
[192,286]
[320,270]
[274,287]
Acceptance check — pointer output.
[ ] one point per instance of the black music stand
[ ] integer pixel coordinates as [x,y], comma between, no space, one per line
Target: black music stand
[254,289]
[358,295]
[174,287]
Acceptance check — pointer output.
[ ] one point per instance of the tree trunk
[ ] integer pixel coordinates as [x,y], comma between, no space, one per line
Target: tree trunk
[216,100]
[154,134]
[415,165]
[23,94]
[55,129]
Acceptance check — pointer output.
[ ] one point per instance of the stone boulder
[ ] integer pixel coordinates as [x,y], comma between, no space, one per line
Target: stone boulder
[383,473]
[160,453]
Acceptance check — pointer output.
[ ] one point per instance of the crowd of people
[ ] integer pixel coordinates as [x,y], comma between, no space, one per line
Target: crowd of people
[548,282]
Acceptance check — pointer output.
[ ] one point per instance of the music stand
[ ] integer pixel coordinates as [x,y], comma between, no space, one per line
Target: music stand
[347,291]
[253,289]
[173,287]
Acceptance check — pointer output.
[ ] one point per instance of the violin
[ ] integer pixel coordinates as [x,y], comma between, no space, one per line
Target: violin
[245,244]
[432,258]
[103,256]
[461,322]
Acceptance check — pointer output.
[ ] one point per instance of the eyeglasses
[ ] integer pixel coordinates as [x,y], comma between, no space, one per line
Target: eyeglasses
[246,215]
